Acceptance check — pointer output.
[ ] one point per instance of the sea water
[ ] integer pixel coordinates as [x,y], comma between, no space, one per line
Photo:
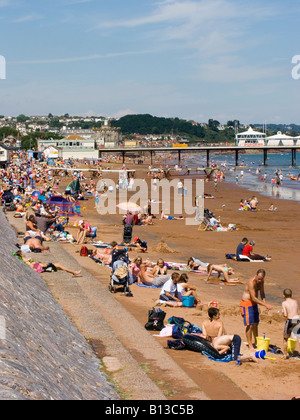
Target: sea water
[252,170]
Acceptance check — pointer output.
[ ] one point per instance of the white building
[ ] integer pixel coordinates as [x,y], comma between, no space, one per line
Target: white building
[6,153]
[297,139]
[71,147]
[280,140]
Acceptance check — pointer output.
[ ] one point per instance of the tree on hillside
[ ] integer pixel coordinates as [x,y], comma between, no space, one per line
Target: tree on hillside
[213,125]
[8,131]
[22,118]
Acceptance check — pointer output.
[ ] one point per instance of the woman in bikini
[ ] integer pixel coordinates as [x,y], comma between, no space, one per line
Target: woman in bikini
[222,269]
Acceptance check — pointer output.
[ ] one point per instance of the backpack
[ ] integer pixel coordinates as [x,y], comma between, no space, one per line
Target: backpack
[155,320]
[84,251]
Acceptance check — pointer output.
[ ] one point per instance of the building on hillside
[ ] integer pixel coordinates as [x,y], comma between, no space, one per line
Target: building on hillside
[11,141]
[107,136]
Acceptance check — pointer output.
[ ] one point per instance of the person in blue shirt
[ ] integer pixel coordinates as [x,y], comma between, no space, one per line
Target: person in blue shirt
[240,248]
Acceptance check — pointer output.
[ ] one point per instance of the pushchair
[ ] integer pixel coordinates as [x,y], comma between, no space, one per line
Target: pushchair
[120,276]
[7,201]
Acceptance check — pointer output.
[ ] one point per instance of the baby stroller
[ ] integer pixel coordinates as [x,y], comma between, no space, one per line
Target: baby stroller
[120,272]
[7,201]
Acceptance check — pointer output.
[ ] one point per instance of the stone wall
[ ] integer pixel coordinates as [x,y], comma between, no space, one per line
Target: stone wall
[42,355]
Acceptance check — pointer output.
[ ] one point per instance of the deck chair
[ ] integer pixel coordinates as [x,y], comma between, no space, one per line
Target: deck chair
[205,225]
[93,234]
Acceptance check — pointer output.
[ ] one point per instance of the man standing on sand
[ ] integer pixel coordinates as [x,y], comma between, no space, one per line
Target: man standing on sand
[249,305]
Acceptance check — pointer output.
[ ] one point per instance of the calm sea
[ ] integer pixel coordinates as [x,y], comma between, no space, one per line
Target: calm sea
[248,177]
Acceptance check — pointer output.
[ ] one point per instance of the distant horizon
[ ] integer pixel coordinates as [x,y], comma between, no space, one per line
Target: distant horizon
[187,59]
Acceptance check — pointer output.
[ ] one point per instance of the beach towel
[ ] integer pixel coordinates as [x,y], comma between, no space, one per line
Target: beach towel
[226,359]
[149,287]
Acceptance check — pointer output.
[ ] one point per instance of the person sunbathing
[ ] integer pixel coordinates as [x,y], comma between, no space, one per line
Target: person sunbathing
[164,216]
[45,268]
[147,277]
[222,269]
[34,242]
[194,264]
[247,252]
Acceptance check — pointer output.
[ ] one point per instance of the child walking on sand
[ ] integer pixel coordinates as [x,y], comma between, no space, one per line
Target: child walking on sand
[291,312]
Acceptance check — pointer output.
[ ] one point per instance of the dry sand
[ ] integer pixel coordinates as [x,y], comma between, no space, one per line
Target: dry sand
[275,233]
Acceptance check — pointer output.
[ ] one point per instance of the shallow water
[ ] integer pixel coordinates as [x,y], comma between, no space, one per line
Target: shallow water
[289,190]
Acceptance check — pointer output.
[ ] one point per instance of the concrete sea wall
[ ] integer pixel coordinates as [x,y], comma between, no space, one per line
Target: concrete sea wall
[42,354]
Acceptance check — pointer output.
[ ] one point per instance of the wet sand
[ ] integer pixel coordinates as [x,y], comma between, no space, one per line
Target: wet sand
[275,233]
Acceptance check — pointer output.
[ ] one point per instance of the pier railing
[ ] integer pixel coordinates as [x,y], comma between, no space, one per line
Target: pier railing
[138,151]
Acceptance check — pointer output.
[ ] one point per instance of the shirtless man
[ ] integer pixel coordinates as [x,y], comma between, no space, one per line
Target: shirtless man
[147,277]
[249,305]
[35,242]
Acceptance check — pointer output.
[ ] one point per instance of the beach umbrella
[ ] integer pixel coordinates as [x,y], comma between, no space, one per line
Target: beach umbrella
[132,207]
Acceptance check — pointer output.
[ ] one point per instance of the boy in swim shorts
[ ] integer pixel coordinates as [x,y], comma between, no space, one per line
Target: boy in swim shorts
[291,312]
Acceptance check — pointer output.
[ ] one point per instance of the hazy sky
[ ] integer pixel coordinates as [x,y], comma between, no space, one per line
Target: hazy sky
[192,59]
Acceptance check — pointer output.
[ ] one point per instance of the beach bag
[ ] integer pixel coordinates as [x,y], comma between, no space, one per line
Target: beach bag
[181,324]
[84,251]
[156,319]
[177,332]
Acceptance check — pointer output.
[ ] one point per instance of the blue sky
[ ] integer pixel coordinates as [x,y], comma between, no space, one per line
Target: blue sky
[192,59]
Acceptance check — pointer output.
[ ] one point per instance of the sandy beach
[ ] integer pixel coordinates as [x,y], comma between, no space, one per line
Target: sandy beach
[274,234]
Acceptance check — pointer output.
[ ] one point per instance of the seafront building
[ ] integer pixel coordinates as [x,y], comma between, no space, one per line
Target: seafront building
[256,138]
[86,145]
[250,138]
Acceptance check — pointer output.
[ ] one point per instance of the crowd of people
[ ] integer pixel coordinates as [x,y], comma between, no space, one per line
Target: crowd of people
[41,221]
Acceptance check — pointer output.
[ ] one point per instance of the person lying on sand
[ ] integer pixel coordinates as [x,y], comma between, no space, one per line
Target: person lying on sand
[222,269]
[248,252]
[164,216]
[34,242]
[48,268]
[147,277]
[194,264]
